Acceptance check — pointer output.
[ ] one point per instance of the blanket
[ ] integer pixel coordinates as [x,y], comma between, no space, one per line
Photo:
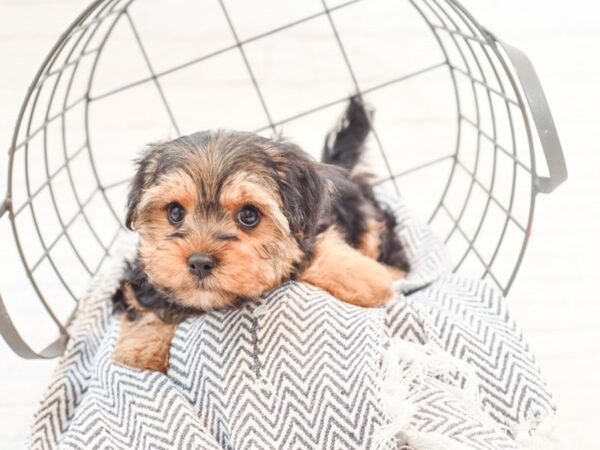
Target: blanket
[442,366]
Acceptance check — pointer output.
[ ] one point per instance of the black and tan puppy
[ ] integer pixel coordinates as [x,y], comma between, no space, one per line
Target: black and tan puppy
[226,216]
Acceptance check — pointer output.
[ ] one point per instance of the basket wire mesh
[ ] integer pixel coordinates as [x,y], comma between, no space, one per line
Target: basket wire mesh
[65,196]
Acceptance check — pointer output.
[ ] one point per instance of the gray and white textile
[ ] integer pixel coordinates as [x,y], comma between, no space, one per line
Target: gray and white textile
[443,366]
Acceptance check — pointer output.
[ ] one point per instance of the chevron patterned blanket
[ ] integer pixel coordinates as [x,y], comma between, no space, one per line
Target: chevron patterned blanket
[443,366]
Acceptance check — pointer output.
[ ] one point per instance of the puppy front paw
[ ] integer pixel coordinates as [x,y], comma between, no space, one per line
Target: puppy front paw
[396,273]
[378,286]
[347,274]
[144,343]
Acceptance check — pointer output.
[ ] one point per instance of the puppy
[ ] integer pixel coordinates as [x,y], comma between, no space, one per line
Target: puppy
[224,217]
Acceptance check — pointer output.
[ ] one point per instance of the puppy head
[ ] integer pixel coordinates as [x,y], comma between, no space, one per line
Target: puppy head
[223,215]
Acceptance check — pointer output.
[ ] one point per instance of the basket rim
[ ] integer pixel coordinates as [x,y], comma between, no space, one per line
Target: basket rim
[7,205]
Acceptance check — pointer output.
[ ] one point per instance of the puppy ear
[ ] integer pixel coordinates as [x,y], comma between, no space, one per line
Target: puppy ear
[140,181]
[134,197]
[304,189]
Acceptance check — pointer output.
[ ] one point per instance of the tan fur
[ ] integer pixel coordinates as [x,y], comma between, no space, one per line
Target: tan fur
[370,241]
[176,186]
[347,274]
[395,273]
[256,261]
[245,188]
[144,342]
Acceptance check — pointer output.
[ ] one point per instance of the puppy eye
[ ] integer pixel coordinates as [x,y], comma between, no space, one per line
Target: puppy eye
[248,216]
[175,213]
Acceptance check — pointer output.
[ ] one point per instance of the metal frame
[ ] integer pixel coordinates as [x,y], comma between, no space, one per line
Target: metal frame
[510,80]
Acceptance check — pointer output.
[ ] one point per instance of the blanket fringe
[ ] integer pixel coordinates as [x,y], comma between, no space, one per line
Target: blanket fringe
[544,435]
[404,367]
[430,441]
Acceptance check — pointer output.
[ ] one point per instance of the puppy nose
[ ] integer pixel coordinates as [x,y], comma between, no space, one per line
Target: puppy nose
[201,264]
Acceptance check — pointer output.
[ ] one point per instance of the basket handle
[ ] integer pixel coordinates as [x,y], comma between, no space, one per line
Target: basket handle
[18,345]
[4,206]
[544,123]
[10,334]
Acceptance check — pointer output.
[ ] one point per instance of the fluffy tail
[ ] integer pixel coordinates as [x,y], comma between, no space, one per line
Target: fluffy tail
[345,145]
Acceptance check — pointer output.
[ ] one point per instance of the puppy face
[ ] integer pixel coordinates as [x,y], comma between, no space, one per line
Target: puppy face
[224,215]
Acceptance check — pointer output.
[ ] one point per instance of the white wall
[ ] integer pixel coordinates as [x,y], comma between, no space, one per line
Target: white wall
[555,297]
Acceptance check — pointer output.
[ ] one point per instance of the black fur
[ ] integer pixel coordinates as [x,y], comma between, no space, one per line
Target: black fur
[148,297]
[135,193]
[303,190]
[344,147]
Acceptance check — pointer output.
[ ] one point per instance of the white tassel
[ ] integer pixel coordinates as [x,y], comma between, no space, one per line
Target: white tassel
[431,441]
[404,367]
[544,435]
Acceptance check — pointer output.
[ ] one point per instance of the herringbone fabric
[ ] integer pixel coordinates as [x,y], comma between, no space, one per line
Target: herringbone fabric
[299,369]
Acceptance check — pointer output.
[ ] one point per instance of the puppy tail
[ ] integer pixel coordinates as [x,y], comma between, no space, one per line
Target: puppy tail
[345,144]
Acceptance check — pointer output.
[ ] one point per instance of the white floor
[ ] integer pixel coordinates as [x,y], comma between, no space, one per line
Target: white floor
[555,297]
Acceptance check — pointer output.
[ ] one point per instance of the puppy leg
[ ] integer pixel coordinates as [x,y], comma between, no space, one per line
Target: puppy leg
[144,342]
[346,273]
[396,274]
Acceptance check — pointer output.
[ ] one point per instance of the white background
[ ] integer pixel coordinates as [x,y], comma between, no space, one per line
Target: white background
[556,296]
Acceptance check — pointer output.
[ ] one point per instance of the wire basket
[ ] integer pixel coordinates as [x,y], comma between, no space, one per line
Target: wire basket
[453,131]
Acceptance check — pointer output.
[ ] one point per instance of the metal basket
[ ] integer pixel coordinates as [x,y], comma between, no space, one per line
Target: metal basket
[453,127]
